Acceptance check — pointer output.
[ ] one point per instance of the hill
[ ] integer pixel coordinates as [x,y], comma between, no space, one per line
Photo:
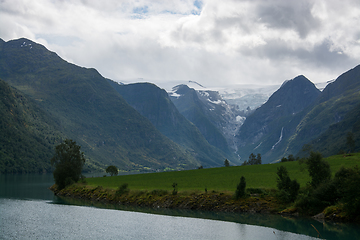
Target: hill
[155,104]
[28,134]
[89,110]
[268,130]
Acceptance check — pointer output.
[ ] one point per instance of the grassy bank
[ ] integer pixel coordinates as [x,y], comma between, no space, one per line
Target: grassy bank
[211,189]
[220,179]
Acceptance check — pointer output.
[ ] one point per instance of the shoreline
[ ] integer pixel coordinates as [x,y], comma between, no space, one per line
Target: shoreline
[211,201]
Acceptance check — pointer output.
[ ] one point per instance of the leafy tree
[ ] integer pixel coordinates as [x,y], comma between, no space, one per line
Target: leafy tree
[68,161]
[226,163]
[112,170]
[240,188]
[288,188]
[319,170]
[347,182]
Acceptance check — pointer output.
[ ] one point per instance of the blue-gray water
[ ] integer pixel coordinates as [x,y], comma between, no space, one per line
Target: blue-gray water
[28,210]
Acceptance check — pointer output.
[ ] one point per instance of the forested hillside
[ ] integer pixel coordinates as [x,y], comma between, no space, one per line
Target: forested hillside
[28,134]
[88,110]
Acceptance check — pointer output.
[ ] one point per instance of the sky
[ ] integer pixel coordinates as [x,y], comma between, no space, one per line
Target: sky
[215,43]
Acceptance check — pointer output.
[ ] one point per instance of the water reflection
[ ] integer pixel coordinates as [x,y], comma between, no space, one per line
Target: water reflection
[298,225]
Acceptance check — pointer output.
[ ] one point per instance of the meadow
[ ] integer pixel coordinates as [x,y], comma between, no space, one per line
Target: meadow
[222,179]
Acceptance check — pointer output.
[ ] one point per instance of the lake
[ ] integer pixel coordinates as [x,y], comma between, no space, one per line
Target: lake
[28,210]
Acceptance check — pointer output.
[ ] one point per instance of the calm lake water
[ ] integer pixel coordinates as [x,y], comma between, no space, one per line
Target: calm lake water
[28,210]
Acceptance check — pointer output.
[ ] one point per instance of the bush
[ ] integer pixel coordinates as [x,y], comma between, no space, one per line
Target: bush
[288,189]
[347,182]
[158,192]
[319,170]
[240,188]
[123,189]
[174,185]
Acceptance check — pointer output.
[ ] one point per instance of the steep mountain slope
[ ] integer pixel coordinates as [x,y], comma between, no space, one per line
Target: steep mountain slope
[28,134]
[333,140]
[155,104]
[88,109]
[268,129]
[338,99]
[207,117]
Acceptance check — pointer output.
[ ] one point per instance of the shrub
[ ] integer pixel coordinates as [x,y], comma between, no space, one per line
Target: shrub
[319,170]
[159,192]
[347,181]
[123,189]
[288,189]
[240,188]
[174,185]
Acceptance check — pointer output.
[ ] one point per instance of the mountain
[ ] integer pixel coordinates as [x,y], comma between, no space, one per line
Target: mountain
[334,139]
[155,104]
[88,109]
[28,134]
[323,124]
[206,111]
[268,129]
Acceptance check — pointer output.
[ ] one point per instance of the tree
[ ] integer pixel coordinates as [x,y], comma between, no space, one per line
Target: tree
[319,170]
[288,188]
[226,163]
[68,161]
[112,170]
[253,160]
[240,188]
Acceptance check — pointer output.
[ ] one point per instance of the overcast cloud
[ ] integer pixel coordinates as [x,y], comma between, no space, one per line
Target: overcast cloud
[216,43]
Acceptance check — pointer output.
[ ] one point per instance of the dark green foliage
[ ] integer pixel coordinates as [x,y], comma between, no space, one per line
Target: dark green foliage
[27,134]
[240,188]
[175,189]
[123,189]
[226,163]
[290,158]
[68,161]
[112,170]
[347,182]
[327,193]
[288,189]
[253,160]
[319,169]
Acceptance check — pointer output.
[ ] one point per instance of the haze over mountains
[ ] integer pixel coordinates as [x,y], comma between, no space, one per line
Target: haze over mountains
[142,127]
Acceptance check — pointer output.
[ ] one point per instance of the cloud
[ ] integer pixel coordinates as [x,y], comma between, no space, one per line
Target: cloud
[212,42]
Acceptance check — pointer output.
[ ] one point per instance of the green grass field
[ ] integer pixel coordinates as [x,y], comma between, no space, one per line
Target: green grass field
[220,179]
